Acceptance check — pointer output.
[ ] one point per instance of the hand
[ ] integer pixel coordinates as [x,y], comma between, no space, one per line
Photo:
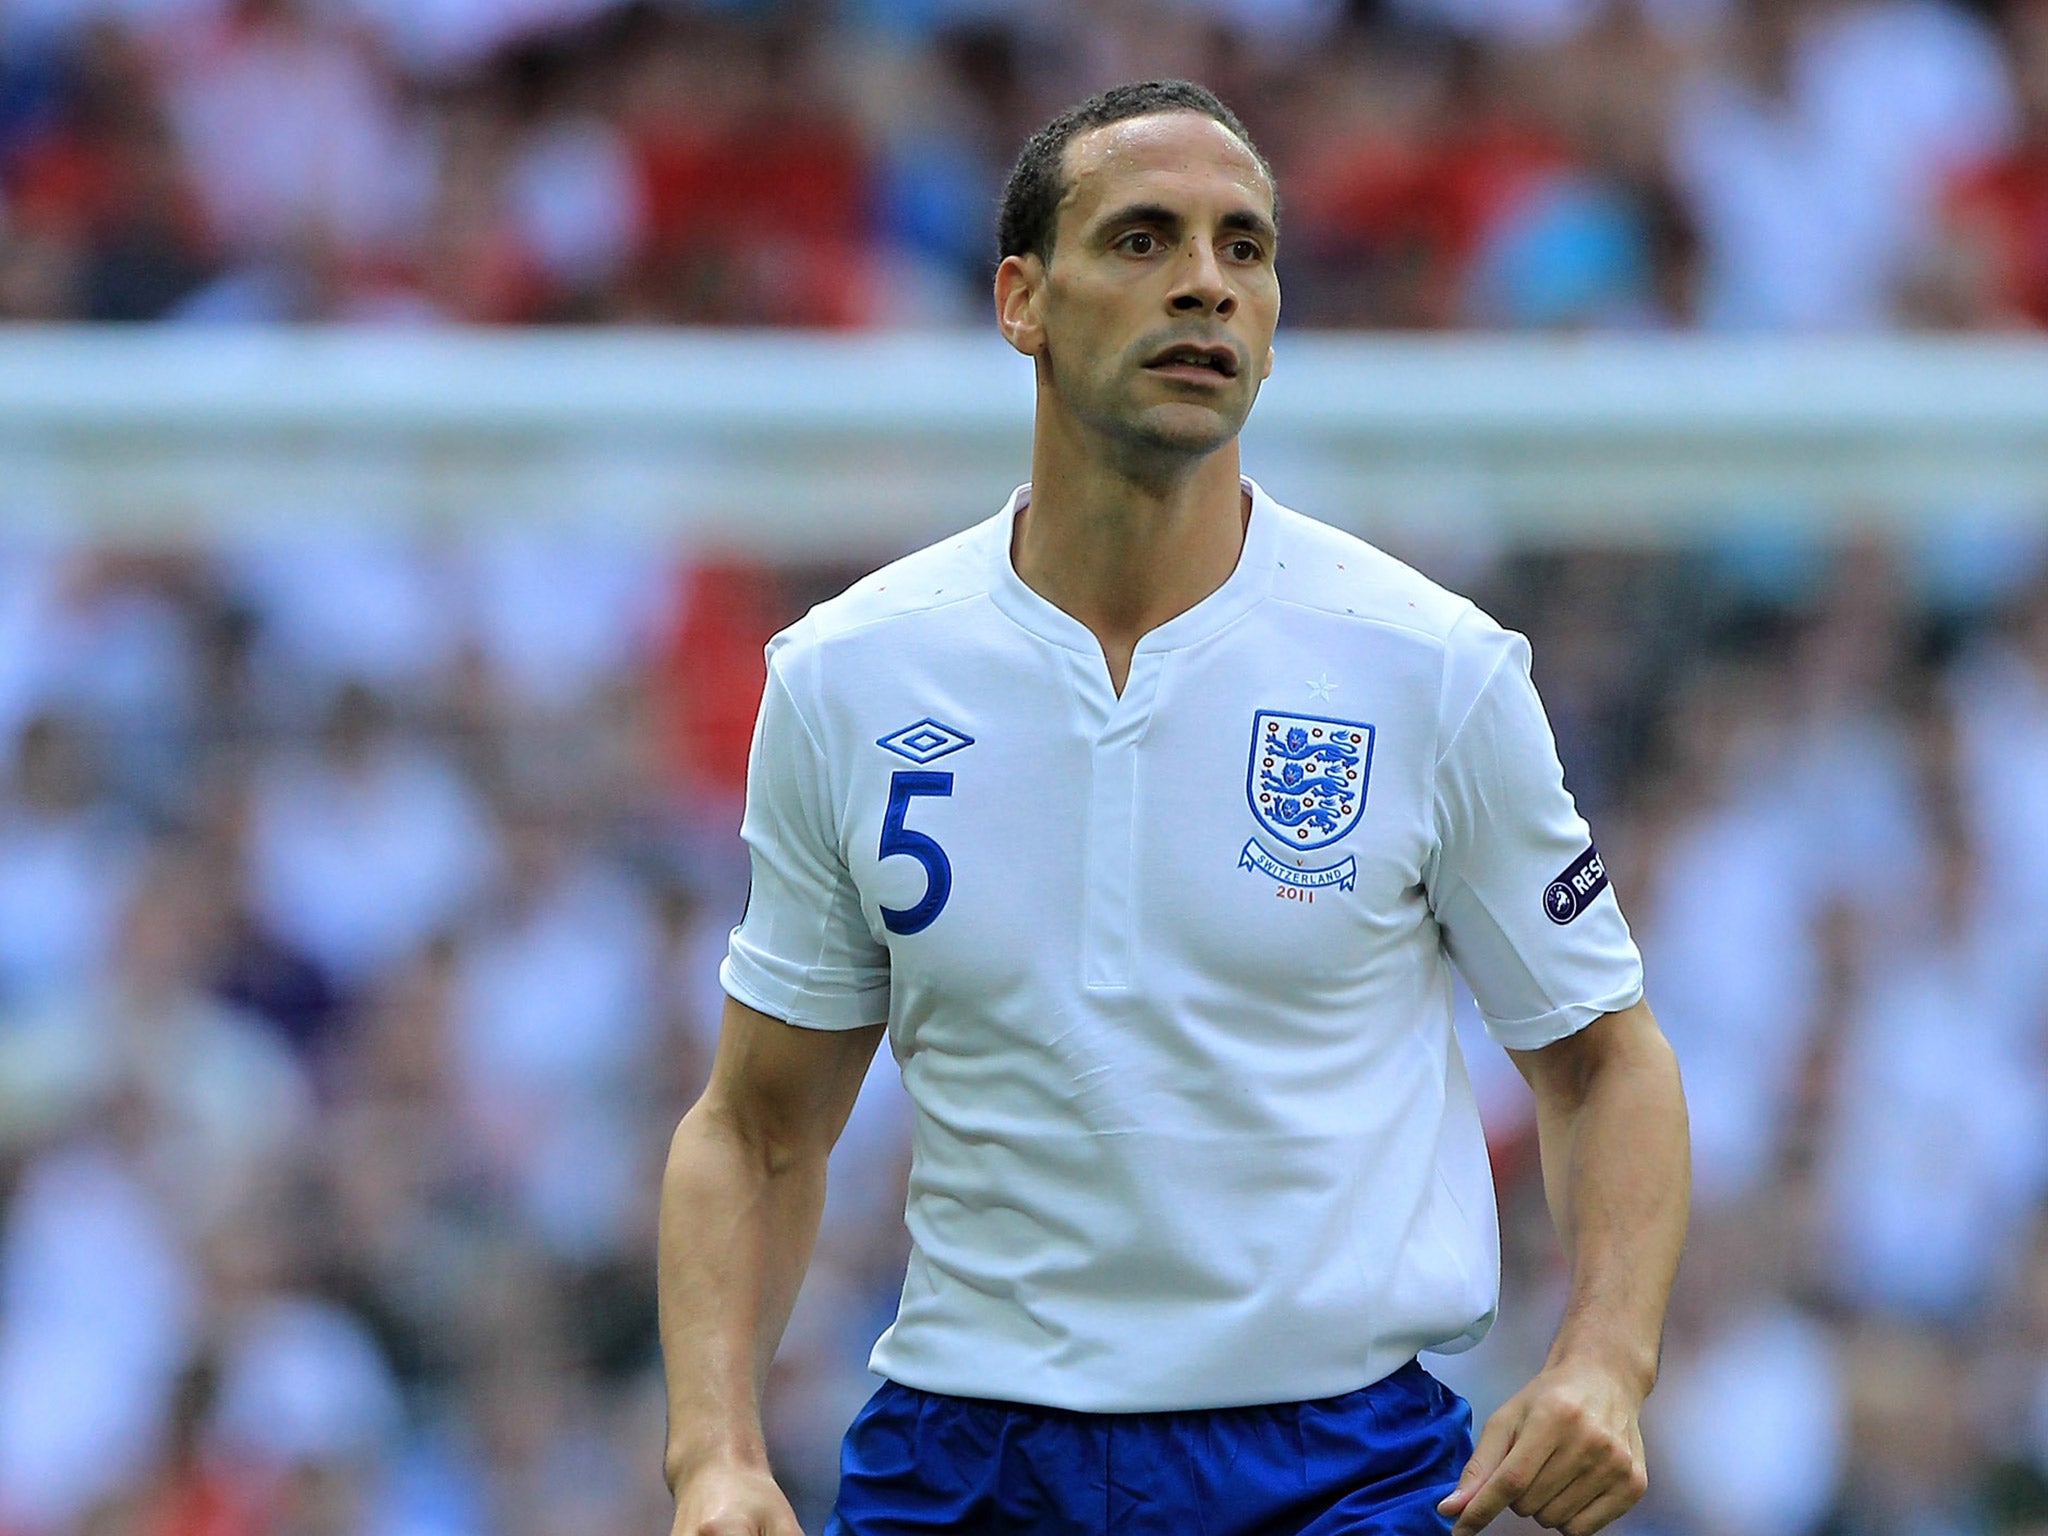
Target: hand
[1565,1451]
[733,1501]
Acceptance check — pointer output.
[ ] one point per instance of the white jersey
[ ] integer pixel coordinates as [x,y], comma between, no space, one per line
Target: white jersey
[1168,974]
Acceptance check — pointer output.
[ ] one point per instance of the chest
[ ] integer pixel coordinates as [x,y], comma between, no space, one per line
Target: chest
[1253,812]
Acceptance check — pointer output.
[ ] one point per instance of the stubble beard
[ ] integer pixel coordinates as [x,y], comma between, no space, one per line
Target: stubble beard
[1137,444]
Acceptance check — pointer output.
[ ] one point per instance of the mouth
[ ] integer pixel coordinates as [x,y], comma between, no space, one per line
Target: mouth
[1194,363]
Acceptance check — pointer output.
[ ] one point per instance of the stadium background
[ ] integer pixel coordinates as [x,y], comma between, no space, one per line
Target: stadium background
[364,865]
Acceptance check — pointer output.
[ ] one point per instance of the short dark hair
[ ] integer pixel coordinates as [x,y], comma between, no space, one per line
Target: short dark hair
[1031,197]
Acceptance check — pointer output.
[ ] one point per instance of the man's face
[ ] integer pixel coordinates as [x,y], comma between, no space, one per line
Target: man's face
[1154,319]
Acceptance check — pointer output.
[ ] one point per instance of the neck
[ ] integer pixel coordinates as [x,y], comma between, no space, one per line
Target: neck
[1124,548]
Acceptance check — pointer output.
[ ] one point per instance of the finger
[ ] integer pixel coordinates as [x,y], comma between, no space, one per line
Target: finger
[1565,1465]
[1561,1507]
[753,1521]
[1494,1440]
[1510,1480]
[1587,1457]
[1617,1501]
[1603,1466]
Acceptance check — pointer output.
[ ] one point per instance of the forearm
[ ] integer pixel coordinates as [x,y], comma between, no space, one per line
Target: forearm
[738,1222]
[1617,1173]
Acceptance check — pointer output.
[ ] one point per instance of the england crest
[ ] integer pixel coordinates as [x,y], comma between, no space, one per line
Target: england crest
[1307,777]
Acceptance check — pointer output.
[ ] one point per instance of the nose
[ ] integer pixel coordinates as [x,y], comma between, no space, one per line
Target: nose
[1200,286]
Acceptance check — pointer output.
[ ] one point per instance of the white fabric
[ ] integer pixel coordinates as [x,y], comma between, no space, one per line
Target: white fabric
[32,582]
[338,603]
[102,1309]
[553,1026]
[1183,1137]
[290,130]
[303,1381]
[1813,207]
[2001,707]
[1730,937]
[576,197]
[1938,1150]
[64,880]
[559,613]
[1752,1429]
[449,36]
[359,865]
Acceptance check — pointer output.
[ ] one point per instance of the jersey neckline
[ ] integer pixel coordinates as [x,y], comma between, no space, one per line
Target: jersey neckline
[1248,583]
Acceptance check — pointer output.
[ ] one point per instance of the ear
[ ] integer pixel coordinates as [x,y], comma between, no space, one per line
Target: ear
[1020,286]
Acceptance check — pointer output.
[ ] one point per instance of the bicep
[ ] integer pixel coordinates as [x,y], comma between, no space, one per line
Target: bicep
[803,951]
[785,1087]
[1519,892]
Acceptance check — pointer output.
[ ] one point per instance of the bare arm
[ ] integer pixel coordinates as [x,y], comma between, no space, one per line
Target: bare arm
[740,1204]
[1567,1449]
[1617,1172]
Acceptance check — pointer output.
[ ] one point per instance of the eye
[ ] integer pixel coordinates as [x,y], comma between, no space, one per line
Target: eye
[1138,242]
[1245,250]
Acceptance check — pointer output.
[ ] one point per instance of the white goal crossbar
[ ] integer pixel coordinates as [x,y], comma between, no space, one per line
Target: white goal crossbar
[805,445]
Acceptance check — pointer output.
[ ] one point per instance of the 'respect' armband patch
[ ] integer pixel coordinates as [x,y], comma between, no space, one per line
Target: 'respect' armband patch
[1573,891]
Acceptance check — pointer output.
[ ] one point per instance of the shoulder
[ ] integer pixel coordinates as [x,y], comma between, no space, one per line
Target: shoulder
[1335,572]
[899,595]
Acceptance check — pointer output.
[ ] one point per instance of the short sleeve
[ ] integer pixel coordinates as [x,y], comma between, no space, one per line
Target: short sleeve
[803,952]
[1519,891]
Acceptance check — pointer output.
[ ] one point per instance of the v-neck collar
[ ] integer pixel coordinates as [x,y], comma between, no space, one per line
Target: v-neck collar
[1248,582]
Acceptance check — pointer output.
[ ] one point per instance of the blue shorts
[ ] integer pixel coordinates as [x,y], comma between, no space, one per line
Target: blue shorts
[1370,1463]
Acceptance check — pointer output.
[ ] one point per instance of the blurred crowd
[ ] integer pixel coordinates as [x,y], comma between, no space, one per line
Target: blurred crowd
[1828,801]
[1537,164]
[361,894]
[360,901]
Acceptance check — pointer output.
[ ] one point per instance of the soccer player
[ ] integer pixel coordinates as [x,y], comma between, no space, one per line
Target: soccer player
[1146,819]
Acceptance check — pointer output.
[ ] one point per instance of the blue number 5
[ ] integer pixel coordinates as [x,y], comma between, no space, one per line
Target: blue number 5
[897,838]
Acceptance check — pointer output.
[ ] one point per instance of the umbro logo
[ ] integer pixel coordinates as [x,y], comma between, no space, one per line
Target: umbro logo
[925,742]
